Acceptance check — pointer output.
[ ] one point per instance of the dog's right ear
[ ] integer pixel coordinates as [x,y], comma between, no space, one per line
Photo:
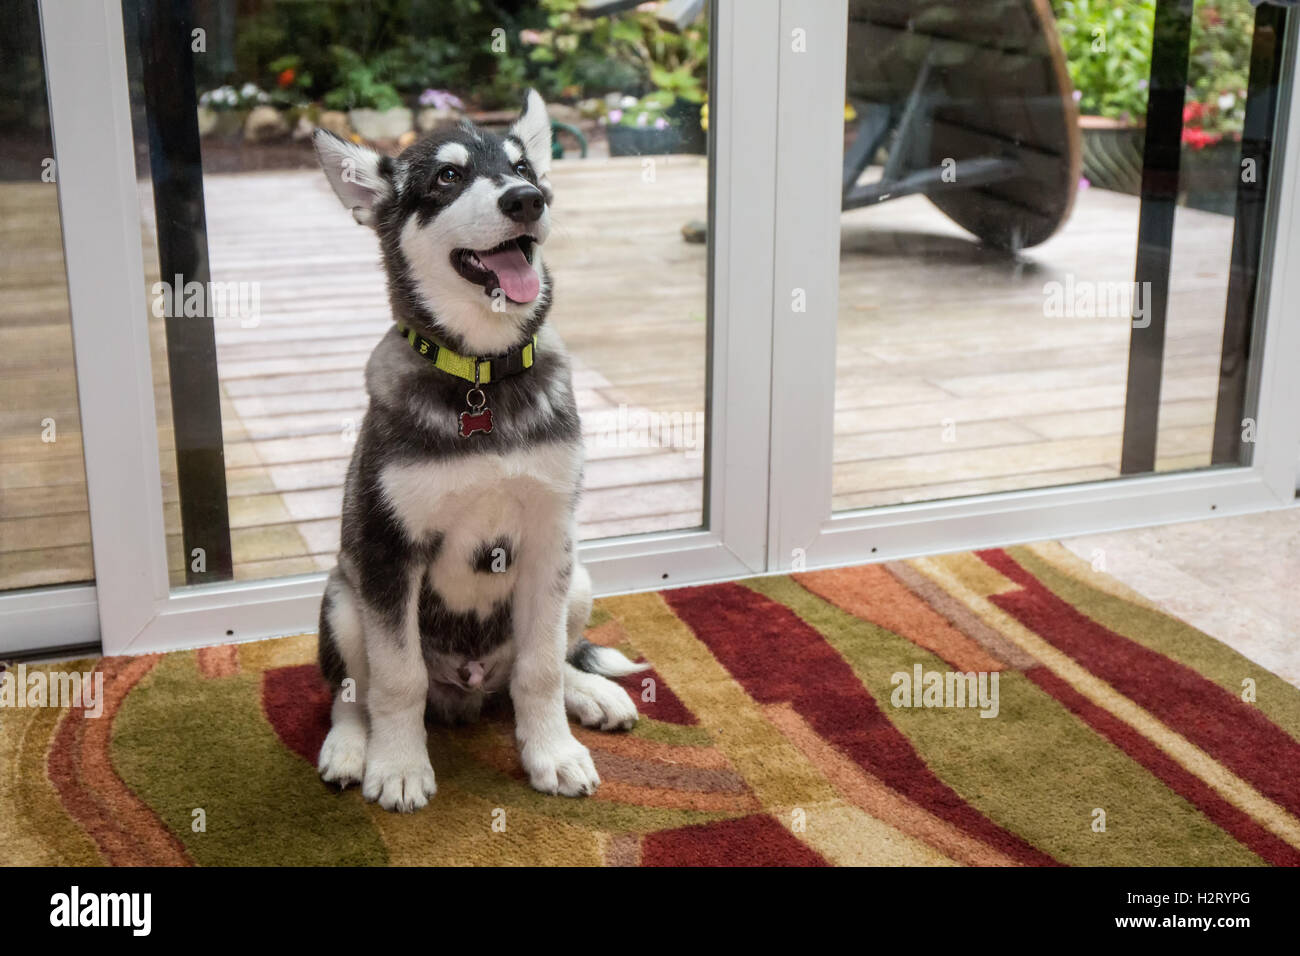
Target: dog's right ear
[361,178]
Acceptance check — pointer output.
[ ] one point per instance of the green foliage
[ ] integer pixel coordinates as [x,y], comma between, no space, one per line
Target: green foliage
[361,87]
[1108,52]
[1219,69]
[578,57]
[381,52]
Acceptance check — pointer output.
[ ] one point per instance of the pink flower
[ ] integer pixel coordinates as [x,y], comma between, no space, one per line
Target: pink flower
[441,100]
[615,115]
[661,123]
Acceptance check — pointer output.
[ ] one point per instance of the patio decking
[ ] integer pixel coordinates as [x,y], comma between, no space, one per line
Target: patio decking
[630,304]
[950,378]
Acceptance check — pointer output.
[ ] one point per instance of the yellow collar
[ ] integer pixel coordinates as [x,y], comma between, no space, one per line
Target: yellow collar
[479,371]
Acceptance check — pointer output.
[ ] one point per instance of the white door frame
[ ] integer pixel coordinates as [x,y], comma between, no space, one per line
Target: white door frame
[804,531]
[138,610]
[85,65]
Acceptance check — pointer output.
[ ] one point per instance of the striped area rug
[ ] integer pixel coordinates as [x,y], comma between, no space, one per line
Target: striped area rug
[1006,707]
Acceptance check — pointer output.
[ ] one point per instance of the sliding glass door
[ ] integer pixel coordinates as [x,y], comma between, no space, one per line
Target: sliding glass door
[46,569]
[1054,240]
[267,387]
[247,300]
[843,280]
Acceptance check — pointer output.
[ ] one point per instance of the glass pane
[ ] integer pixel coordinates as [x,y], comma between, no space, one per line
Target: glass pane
[989,276]
[44,522]
[309,301]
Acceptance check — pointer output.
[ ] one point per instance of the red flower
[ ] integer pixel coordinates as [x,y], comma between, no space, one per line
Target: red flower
[1197,138]
[287,77]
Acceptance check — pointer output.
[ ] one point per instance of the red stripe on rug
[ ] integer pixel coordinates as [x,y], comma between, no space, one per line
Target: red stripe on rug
[1229,730]
[665,706]
[79,765]
[756,840]
[1181,781]
[297,703]
[778,658]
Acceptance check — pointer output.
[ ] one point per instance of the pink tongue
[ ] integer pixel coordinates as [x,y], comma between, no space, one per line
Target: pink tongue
[518,278]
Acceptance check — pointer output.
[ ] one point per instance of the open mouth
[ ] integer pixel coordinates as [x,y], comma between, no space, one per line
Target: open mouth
[508,267]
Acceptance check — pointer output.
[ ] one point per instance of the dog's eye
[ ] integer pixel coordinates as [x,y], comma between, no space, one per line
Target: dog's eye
[448,175]
[521,168]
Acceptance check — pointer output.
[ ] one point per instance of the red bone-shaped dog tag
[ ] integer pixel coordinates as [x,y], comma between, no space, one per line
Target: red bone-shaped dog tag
[471,422]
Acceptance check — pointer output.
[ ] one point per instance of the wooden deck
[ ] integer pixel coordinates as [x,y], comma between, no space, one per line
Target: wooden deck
[44,524]
[293,388]
[950,378]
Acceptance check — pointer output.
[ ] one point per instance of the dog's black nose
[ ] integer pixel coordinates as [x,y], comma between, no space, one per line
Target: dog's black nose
[522,203]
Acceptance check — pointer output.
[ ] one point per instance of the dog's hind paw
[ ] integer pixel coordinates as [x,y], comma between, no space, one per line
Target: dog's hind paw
[598,702]
[560,766]
[343,755]
[397,787]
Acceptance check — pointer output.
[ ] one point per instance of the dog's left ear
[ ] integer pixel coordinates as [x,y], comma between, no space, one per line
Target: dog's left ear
[533,129]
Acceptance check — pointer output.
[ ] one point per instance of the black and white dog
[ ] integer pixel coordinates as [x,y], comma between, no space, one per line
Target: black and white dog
[457,575]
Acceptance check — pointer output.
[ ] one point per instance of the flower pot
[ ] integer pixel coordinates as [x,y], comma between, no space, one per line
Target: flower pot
[207,121]
[431,118]
[380,124]
[643,141]
[682,135]
[1112,153]
[223,123]
[685,116]
[1208,177]
[265,124]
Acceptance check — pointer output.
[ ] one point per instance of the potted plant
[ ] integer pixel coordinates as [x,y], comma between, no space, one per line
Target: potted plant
[657,78]
[642,127]
[1108,50]
[438,108]
[223,111]
[1108,53]
[686,87]
[1215,109]
[375,108]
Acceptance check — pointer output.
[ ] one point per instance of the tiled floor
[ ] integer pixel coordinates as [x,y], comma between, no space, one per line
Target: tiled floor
[1233,578]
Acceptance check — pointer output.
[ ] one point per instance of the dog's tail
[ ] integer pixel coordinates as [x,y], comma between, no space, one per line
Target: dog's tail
[605,661]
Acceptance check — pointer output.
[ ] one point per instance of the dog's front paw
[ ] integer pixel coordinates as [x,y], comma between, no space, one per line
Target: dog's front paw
[399,785]
[561,765]
[343,755]
[599,702]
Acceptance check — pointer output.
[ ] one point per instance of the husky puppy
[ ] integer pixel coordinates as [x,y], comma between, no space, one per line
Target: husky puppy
[456,576]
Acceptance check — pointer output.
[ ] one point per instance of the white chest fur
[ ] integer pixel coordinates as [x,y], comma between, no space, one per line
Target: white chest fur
[476,500]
